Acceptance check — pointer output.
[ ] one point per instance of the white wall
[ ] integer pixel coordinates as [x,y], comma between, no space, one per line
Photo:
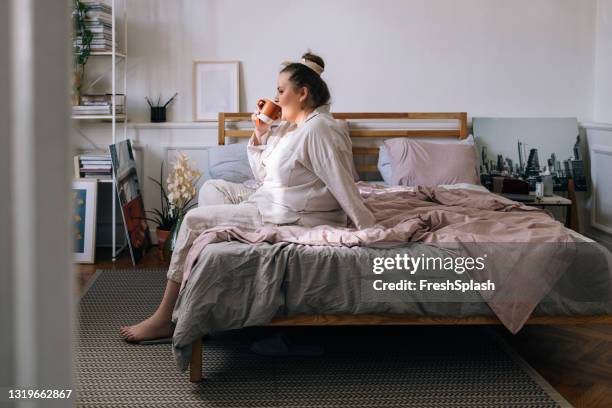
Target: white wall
[599,200]
[603,63]
[599,133]
[486,57]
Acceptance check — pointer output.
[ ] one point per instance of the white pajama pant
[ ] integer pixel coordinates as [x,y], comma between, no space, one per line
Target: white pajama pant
[220,203]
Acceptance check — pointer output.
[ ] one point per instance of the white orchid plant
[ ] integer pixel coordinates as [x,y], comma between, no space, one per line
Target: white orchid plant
[181,185]
[181,190]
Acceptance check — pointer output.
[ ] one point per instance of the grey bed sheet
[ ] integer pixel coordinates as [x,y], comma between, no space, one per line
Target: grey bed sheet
[235,285]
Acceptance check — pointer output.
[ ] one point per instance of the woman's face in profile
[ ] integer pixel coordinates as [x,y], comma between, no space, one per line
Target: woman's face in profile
[289,98]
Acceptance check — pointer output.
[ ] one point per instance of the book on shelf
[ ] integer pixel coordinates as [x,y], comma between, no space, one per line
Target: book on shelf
[95,8]
[99,29]
[88,162]
[99,26]
[99,104]
[102,157]
[78,108]
[94,108]
[103,110]
[99,21]
[102,99]
[98,46]
[93,166]
[97,4]
[101,38]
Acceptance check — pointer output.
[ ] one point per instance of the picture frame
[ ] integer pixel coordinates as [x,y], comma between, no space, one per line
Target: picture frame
[216,88]
[84,199]
[130,199]
[529,148]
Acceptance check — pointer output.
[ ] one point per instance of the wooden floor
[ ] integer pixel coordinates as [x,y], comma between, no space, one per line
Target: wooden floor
[576,360]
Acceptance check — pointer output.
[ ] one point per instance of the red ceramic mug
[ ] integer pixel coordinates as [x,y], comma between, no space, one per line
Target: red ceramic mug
[269,111]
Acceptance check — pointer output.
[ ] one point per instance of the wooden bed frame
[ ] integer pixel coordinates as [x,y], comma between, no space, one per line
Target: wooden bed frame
[461,132]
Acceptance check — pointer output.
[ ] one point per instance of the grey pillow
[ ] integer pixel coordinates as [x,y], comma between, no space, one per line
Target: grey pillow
[230,163]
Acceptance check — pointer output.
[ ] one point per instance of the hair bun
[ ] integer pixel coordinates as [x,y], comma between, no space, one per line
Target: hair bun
[309,56]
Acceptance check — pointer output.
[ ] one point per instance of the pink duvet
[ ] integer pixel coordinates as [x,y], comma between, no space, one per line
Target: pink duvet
[440,215]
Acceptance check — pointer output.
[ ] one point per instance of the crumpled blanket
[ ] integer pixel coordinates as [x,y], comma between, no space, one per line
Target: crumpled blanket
[523,273]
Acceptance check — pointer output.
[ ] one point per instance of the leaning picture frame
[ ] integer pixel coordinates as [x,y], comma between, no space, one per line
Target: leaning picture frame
[130,198]
[216,88]
[84,199]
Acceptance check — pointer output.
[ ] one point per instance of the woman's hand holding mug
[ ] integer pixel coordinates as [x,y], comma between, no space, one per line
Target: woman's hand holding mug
[267,112]
[261,127]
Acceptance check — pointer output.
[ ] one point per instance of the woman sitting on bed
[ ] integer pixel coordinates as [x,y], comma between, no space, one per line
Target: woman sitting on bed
[305,167]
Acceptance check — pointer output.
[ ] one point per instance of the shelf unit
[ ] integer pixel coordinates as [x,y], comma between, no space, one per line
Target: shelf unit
[116,56]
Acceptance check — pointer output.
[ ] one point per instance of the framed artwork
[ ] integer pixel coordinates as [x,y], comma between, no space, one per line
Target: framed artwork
[130,198]
[84,199]
[528,148]
[215,89]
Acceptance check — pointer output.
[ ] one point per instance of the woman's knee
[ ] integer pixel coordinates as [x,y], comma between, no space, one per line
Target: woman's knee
[192,218]
[201,218]
[211,193]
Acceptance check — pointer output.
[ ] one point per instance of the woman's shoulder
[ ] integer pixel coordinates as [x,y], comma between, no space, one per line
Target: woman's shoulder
[325,122]
[325,130]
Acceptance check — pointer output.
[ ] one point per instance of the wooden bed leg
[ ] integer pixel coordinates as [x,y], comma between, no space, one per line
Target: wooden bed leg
[195,366]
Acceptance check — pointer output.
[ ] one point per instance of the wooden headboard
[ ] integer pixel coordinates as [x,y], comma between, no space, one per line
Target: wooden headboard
[460,132]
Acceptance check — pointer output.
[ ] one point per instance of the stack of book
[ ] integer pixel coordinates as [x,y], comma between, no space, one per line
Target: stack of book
[99,105]
[93,166]
[99,21]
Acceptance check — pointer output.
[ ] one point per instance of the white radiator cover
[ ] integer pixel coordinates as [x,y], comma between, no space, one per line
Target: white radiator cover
[599,138]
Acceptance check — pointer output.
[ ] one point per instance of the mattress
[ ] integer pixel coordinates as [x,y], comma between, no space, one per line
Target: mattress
[236,285]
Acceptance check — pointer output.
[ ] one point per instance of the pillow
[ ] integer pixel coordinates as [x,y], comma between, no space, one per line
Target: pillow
[431,164]
[230,163]
[384,162]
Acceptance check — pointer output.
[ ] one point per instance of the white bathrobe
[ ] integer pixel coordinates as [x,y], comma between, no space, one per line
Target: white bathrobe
[306,172]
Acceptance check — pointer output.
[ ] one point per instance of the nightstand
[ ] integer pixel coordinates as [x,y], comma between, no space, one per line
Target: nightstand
[552,201]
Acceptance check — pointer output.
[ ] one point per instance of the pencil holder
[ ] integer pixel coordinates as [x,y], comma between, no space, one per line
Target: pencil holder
[158,114]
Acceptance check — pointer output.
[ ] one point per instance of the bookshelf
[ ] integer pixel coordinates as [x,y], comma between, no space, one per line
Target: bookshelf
[115,56]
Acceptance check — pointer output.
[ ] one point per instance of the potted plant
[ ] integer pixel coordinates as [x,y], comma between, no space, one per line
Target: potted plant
[162,216]
[82,48]
[175,204]
[181,186]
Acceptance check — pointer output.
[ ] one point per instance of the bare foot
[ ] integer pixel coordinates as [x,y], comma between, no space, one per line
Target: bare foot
[149,329]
